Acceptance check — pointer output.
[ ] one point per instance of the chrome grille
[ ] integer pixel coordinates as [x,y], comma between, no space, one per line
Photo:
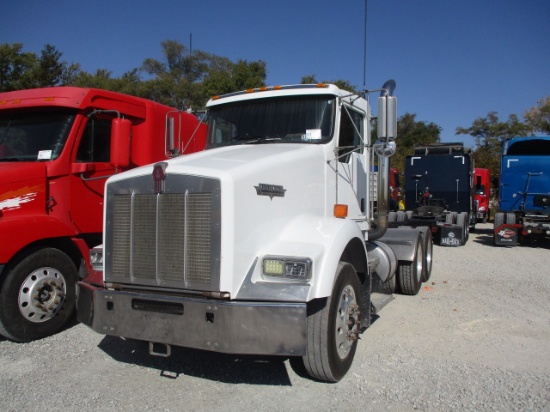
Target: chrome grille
[164,239]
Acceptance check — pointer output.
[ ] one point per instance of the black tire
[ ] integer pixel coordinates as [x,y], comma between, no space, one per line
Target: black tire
[462,221]
[410,273]
[38,296]
[450,218]
[498,221]
[331,341]
[427,243]
[511,218]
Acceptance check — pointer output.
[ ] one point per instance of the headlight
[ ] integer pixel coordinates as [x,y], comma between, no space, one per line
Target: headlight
[287,267]
[96,257]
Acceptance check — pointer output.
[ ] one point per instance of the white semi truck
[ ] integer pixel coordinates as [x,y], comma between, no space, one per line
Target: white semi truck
[270,242]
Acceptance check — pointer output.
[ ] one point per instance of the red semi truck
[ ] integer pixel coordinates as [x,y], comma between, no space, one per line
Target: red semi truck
[57,148]
[482,196]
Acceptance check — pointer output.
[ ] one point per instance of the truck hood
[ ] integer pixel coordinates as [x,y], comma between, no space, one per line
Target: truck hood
[242,160]
[21,185]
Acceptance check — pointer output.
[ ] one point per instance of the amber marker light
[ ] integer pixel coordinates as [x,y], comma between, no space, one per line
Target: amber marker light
[340,211]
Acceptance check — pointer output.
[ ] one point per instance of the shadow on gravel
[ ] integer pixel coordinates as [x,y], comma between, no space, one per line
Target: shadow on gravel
[263,370]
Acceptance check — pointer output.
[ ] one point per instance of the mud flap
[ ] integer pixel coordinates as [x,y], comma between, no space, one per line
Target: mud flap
[451,235]
[506,235]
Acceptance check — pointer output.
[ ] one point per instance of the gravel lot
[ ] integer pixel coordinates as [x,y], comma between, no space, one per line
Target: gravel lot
[476,338]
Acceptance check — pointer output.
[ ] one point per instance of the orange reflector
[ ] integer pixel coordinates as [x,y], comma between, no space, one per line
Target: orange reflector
[341,211]
[277,87]
[49,99]
[249,90]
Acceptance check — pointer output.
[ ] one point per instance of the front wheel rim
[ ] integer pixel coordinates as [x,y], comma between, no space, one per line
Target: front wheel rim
[347,322]
[42,295]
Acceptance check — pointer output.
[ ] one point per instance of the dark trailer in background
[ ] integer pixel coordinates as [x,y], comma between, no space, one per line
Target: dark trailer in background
[439,192]
[445,171]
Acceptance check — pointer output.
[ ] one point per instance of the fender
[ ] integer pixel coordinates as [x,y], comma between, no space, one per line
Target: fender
[323,240]
[13,239]
[403,241]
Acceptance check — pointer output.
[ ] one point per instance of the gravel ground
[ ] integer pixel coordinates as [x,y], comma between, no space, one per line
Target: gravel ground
[476,338]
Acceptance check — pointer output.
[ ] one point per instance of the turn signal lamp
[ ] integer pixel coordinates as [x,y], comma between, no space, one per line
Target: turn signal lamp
[340,211]
[287,268]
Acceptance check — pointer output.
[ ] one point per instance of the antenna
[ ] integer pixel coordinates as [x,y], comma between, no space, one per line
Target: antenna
[365,50]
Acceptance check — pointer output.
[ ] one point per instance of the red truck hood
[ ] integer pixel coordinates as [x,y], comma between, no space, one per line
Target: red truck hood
[22,185]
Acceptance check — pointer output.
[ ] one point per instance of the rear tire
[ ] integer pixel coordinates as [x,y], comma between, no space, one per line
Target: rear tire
[498,221]
[38,296]
[333,326]
[462,221]
[427,243]
[410,273]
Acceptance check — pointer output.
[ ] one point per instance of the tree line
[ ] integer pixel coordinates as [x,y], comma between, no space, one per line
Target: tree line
[187,79]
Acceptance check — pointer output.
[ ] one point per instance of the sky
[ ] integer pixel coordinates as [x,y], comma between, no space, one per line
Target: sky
[453,60]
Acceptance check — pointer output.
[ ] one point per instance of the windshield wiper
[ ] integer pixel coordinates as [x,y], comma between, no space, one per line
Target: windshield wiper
[267,140]
[245,137]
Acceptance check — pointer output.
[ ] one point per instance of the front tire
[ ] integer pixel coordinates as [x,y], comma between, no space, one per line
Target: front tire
[38,296]
[333,327]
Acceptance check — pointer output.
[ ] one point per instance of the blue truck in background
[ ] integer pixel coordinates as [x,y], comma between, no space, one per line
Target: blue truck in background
[524,193]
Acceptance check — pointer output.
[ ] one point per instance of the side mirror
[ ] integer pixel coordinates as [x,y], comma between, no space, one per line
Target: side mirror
[121,131]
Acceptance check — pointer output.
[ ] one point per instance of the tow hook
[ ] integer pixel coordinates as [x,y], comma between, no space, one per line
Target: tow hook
[160,349]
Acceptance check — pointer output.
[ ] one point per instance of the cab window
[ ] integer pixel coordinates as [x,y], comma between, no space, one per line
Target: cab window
[351,130]
[95,145]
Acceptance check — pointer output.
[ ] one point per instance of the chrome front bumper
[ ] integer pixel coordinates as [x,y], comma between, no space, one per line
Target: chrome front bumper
[243,327]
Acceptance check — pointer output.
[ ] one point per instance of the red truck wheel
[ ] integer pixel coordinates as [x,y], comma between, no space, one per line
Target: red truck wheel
[38,296]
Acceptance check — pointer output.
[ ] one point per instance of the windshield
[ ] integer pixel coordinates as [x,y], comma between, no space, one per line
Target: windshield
[289,119]
[33,135]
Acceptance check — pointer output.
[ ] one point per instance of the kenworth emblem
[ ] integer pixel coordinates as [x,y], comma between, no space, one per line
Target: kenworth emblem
[159,175]
[272,191]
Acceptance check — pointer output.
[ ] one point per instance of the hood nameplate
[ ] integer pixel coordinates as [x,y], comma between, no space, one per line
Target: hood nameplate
[264,189]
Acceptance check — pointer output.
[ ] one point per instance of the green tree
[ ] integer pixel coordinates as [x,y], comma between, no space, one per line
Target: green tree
[489,132]
[49,68]
[411,133]
[25,70]
[187,79]
[538,117]
[15,67]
